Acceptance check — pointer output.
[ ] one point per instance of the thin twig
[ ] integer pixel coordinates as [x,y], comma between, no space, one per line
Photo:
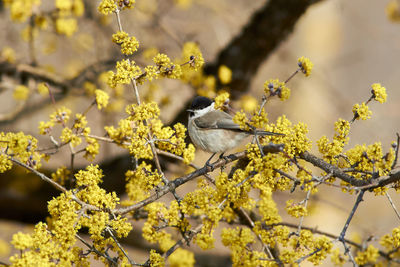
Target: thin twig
[307,256]
[132,262]
[271,148]
[343,233]
[305,206]
[53,183]
[93,249]
[392,204]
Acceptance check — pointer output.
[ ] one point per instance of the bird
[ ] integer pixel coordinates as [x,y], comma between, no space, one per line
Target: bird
[213,130]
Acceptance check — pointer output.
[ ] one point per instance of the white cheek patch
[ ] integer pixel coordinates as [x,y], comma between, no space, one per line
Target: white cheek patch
[201,112]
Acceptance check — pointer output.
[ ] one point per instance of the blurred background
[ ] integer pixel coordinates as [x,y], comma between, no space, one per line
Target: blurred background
[352,44]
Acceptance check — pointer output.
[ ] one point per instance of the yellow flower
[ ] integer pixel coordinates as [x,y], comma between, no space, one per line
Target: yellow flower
[101,99]
[8,54]
[78,8]
[393,11]
[191,52]
[248,103]
[379,92]
[305,65]
[129,46]
[66,26]
[370,255]
[274,87]
[295,210]
[119,37]
[183,4]
[156,259]
[21,92]
[21,10]
[181,258]
[64,4]
[361,111]
[43,89]
[4,248]
[221,100]
[224,74]
[107,6]
[5,163]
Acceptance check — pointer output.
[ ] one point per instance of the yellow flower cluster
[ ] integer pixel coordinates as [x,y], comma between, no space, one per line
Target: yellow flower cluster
[67,136]
[92,193]
[267,178]
[173,140]
[295,139]
[107,6]
[324,245]
[156,259]
[181,258]
[165,67]
[236,191]
[239,240]
[21,92]
[331,150]
[5,163]
[183,4]
[61,175]
[241,119]
[129,45]
[140,181]
[275,87]
[204,201]
[157,213]
[65,22]
[393,11]
[191,52]
[8,54]
[41,248]
[248,103]
[221,100]
[273,236]
[267,207]
[370,255]
[19,146]
[133,133]
[126,71]
[379,92]
[21,10]
[361,111]
[92,148]
[391,242]
[224,74]
[101,98]
[43,89]
[61,115]
[305,65]
[295,210]
[338,258]
[66,26]
[370,159]
[257,120]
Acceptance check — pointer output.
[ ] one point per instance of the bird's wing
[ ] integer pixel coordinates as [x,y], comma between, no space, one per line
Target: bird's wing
[216,120]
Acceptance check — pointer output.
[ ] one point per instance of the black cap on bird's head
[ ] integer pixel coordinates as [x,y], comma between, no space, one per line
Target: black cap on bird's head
[199,102]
